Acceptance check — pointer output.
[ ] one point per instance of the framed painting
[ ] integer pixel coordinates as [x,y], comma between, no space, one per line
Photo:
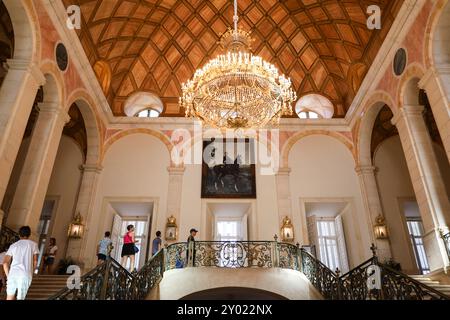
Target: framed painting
[228,169]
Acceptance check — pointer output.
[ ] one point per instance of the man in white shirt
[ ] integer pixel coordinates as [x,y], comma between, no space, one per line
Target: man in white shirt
[24,255]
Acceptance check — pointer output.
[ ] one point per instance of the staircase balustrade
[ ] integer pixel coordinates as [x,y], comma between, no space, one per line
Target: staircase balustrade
[369,281]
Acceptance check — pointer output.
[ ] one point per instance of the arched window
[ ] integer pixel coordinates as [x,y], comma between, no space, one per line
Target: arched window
[143,105]
[148,113]
[314,106]
[308,115]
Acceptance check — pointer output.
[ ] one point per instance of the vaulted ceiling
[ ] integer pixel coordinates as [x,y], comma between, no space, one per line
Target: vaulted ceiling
[324,46]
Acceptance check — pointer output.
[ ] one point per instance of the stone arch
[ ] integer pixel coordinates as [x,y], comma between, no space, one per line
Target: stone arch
[436,34]
[408,90]
[286,148]
[157,134]
[56,87]
[85,104]
[364,135]
[26,29]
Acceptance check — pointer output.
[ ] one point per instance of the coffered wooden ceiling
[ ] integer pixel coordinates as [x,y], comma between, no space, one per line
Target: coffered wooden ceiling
[324,46]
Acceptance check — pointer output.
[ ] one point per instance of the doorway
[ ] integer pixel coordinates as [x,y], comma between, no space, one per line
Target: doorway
[45,220]
[138,214]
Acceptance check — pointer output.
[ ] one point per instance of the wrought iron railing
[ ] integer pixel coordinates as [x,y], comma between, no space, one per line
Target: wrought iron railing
[107,281]
[7,237]
[147,277]
[321,277]
[234,254]
[369,281]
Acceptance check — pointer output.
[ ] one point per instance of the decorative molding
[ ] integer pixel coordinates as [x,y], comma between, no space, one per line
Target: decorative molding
[283,171]
[176,170]
[407,110]
[26,65]
[364,169]
[91,168]
[54,108]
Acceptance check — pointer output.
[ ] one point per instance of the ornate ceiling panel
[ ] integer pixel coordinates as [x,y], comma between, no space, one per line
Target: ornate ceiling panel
[324,46]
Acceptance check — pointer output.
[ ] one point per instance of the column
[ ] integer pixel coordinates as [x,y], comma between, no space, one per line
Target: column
[17,96]
[174,193]
[426,179]
[436,83]
[372,204]
[284,199]
[76,248]
[33,182]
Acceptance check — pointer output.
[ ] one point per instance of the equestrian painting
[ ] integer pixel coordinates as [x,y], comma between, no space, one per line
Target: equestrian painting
[228,169]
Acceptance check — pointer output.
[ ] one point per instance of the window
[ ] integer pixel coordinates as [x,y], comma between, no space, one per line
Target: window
[308,115]
[314,106]
[149,113]
[228,230]
[328,243]
[415,228]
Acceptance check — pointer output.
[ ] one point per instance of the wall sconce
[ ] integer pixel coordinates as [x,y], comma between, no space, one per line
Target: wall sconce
[171,229]
[76,227]
[380,228]
[287,230]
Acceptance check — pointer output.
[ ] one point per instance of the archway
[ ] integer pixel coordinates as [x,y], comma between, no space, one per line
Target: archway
[63,187]
[6,40]
[325,193]
[394,187]
[233,293]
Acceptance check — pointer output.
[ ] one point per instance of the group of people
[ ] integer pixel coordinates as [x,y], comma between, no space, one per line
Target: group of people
[129,248]
[20,260]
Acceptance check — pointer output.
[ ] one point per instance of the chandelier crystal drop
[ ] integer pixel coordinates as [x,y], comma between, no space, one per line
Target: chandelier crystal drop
[237,89]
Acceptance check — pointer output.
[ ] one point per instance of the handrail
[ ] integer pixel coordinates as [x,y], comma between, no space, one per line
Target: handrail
[111,281]
[412,288]
[107,281]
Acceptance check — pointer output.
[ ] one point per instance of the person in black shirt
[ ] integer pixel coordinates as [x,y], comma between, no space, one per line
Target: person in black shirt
[191,246]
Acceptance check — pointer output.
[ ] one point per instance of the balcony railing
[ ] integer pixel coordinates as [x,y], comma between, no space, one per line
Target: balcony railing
[369,281]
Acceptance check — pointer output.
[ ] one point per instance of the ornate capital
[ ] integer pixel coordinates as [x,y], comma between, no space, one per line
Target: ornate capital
[407,111]
[91,168]
[283,171]
[26,65]
[366,169]
[54,108]
[176,170]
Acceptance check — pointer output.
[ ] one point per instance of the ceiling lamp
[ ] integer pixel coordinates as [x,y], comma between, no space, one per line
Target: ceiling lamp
[237,89]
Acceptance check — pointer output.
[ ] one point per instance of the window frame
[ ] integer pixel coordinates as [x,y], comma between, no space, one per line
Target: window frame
[148,110]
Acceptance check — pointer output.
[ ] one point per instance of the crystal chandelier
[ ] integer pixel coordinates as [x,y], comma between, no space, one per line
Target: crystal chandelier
[237,89]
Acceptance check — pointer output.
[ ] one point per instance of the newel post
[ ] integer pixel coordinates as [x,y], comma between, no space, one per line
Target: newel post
[298,258]
[338,283]
[275,253]
[105,279]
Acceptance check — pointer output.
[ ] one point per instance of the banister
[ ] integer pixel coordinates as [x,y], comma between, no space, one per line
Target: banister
[111,281]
